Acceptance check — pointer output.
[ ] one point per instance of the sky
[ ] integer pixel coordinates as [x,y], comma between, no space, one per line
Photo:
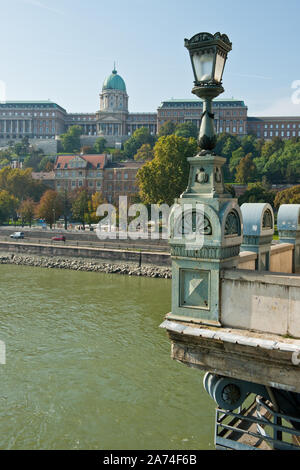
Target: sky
[63,50]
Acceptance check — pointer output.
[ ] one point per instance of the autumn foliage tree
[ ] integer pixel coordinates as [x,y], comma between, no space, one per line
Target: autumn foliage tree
[245,170]
[50,207]
[288,196]
[8,205]
[27,211]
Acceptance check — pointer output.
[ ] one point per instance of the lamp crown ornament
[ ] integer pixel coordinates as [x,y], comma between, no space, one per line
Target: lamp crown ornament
[208,53]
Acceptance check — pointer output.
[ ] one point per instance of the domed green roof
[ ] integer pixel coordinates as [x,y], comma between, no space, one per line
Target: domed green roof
[114,82]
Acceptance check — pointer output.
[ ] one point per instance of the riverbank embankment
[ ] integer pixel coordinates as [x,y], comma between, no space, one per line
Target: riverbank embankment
[80,264]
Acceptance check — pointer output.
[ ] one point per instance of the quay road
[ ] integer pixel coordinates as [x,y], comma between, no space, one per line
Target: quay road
[82,239]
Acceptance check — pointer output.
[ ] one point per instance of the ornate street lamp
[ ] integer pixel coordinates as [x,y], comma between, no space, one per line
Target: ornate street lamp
[208,53]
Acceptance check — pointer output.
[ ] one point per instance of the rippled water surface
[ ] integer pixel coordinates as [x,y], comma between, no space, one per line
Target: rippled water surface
[87,366]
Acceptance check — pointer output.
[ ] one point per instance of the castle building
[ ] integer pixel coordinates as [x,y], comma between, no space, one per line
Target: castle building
[44,121]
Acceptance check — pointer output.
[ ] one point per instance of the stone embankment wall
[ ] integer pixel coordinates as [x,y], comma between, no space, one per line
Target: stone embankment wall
[139,257]
[80,264]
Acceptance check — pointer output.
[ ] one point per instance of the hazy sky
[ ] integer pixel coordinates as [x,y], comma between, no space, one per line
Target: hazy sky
[62,50]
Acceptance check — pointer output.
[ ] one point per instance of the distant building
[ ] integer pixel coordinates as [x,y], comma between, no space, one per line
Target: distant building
[46,177]
[79,172]
[267,128]
[120,180]
[44,121]
[96,173]
[230,115]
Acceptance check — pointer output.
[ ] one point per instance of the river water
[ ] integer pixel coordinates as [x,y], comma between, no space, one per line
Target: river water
[87,366]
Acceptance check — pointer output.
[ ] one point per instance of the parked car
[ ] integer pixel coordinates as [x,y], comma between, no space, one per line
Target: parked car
[17,235]
[60,238]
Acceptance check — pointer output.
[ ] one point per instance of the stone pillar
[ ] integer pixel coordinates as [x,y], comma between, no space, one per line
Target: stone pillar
[288,225]
[206,233]
[258,232]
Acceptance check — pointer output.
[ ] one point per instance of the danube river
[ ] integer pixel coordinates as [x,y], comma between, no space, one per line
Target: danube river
[87,366]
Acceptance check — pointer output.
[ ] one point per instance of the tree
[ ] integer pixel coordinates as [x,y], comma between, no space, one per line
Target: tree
[139,137]
[46,164]
[96,200]
[235,159]
[50,207]
[167,128]
[230,144]
[187,129]
[8,205]
[20,183]
[288,196]
[249,145]
[144,153]
[80,207]
[71,139]
[100,145]
[33,160]
[257,192]
[66,198]
[27,211]
[246,170]
[165,177]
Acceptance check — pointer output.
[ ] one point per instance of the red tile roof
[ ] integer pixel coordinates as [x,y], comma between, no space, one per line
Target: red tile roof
[92,159]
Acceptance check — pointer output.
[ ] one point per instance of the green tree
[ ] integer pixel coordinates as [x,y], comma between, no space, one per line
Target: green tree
[8,205]
[288,196]
[34,159]
[80,206]
[144,153]
[230,144]
[249,145]
[71,139]
[165,177]
[167,128]
[100,145]
[187,129]
[46,163]
[19,183]
[66,199]
[139,137]
[235,159]
[257,192]
[246,170]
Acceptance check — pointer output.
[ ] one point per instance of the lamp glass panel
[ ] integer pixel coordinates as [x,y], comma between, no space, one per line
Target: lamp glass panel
[203,64]
[220,61]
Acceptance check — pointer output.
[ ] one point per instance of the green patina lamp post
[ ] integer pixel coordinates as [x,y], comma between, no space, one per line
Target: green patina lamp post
[206,222]
[208,55]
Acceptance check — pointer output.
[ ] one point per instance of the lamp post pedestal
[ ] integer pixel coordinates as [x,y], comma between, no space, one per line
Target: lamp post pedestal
[207,135]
